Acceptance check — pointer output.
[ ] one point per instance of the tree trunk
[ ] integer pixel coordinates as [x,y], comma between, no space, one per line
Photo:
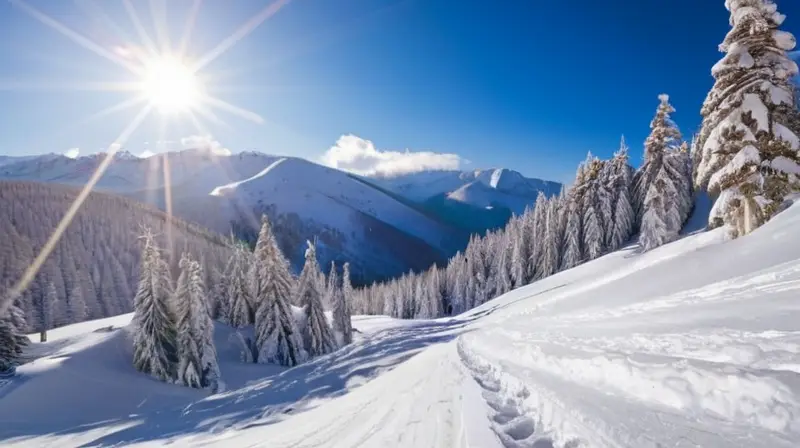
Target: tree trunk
[43,336]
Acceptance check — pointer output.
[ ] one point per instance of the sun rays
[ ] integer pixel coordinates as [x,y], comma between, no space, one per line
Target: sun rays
[166,80]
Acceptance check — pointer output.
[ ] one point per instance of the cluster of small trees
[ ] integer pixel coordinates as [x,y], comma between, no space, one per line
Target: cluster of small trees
[287,314]
[173,332]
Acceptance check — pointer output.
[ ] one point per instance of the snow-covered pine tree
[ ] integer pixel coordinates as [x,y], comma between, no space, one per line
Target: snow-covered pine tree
[522,253]
[620,184]
[8,347]
[653,232]
[239,289]
[749,140]
[17,318]
[155,339]
[590,197]
[434,294]
[278,339]
[423,310]
[660,169]
[460,280]
[318,336]
[331,285]
[678,165]
[340,309]
[518,257]
[47,310]
[12,338]
[348,300]
[530,253]
[664,137]
[605,203]
[549,261]
[571,256]
[189,370]
[539,230]
[204,330]
[502,267]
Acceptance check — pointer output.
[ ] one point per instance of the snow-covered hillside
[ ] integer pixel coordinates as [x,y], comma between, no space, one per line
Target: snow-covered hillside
[696,343]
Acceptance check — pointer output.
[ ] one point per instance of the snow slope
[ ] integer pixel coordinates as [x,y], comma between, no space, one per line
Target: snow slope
[696,343]
[353,220]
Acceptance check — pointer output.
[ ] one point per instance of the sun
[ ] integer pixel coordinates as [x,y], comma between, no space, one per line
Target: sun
[170,85]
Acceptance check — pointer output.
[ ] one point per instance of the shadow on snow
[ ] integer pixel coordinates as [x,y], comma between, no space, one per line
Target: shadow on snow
[265,401]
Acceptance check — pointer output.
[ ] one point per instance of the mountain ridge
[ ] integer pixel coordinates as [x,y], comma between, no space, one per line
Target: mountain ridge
[357,218]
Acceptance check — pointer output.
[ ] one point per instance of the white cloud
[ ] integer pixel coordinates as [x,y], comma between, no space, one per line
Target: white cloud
[72,153]
[205,142]
[359,156]
[146,153]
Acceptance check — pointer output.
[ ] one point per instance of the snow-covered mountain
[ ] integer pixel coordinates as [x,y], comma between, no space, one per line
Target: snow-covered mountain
[382,226]
[694,343]
[498,187]
[379,233]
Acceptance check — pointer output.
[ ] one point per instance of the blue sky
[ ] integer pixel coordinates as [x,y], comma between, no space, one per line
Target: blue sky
[521,84]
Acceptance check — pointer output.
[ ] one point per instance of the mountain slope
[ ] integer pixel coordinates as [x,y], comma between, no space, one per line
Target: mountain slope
[354,221]
[379,233]
[692,344]
[97,258]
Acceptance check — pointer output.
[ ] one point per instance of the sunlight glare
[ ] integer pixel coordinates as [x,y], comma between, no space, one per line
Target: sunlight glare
[170,85]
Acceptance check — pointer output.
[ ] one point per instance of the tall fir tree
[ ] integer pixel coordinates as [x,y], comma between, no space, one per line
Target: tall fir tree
[572,237]
[8,347]
[278,339]
[539,230]
[155,339]
[748,149]
[658,181]
[239,289]
[318,335]
[549,261]
[342,312]
[204,330]
[189,371]
[620,184]
[348,301]
[12,338]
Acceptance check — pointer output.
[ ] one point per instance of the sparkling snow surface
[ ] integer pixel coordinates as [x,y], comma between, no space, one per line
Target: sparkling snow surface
[696,343]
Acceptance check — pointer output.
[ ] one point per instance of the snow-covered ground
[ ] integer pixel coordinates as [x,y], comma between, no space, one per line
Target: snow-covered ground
[696,343]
